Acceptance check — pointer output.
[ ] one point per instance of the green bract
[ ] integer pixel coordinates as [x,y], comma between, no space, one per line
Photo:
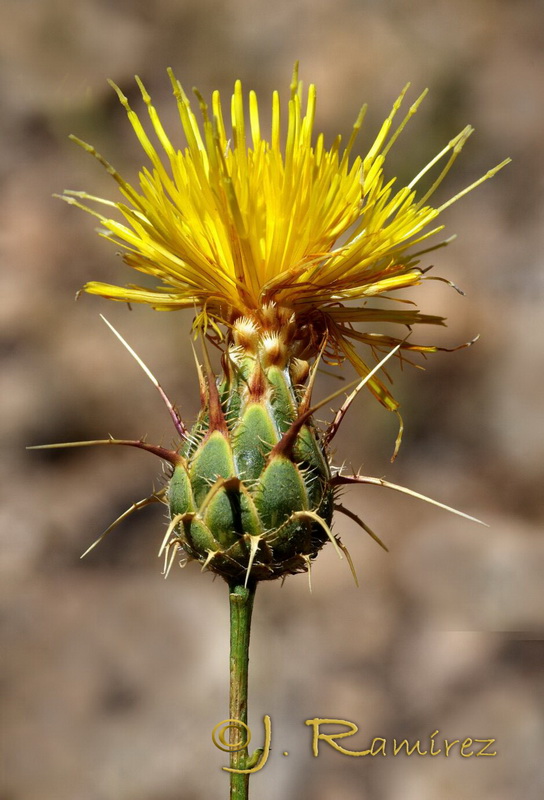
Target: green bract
[252,493]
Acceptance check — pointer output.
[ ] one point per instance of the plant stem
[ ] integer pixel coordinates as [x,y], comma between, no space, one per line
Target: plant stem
[241,605]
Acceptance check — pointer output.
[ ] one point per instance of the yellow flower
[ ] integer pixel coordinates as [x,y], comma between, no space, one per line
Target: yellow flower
[238,226]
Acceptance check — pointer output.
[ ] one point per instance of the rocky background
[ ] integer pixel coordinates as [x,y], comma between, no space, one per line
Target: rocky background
[113,678]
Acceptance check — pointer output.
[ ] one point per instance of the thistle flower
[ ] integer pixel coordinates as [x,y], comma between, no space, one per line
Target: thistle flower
[283,247]
[282,251]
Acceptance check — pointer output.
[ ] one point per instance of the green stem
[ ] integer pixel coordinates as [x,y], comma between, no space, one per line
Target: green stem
[241,605]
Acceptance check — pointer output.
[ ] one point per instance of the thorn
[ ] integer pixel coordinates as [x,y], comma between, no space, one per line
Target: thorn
[287,441]
[347,554]
[319,520]
[253,547]
[359,521]
[308,561]
[211,555]
[173,522]
[331,431]
[168,564]
[156,497]
[305,403]
[167,455]
[340,480]
[176,419]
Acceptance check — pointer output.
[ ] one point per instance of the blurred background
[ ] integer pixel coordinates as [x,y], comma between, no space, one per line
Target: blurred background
[113,678]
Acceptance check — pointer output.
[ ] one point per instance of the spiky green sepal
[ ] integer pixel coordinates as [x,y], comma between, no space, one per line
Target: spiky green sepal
[251,490]
[253,493]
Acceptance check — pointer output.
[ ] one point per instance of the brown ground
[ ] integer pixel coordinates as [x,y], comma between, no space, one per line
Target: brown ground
[113,678]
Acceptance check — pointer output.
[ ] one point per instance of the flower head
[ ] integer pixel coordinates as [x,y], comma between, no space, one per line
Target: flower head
[286,250]
[275,232]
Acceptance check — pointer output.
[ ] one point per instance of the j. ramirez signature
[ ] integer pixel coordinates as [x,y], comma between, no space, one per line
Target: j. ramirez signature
[379,746]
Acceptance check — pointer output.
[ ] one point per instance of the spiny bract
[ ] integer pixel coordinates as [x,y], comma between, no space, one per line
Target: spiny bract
[253,493]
